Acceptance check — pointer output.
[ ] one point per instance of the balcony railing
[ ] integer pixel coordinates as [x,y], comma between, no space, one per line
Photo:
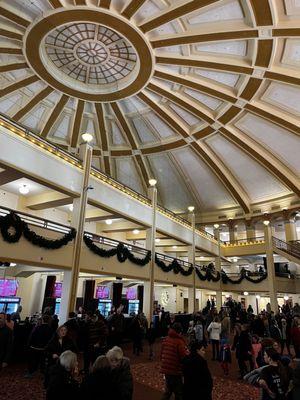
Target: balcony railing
[287,247]
[241,242]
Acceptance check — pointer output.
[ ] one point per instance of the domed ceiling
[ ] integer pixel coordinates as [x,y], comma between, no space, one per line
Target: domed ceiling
[202,95]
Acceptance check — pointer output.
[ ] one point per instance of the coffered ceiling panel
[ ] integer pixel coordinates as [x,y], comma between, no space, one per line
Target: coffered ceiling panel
[202,95]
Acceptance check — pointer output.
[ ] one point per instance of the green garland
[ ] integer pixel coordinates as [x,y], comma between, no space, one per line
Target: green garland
[210,274]
[173,266]
[244,274]
[121,251]
[19,227]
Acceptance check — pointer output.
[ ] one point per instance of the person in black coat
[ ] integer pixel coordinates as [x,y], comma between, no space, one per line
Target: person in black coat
[6,342]
[61,383]
[59,343]
[197,377]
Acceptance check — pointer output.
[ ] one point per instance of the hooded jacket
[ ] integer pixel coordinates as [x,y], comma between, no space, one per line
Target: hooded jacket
[173,350]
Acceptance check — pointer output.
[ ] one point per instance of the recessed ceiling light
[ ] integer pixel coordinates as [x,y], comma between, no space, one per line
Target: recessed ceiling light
[24,189]
[108,221]
[157,240]
[202,257]
[234,259]
[13,264]
[257,296]
[246,293]
[286,298]
[136,231]
[174,247]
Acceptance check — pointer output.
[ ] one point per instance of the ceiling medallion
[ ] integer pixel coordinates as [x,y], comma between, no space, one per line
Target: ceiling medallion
[90,54]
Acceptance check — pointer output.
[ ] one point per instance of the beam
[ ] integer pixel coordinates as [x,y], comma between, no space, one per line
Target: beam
[173,12]
[105,4]
[99,215]
[54,115]
[164,114]
[194,84]
[77,123]
[262,12]
[125,127]
[55,3]
[180,100]
[47,200]
[223,173]
[132,8]
[13,67]
[191,38]
[9,175]
[11,34]
[102,126]
[11,50]
[18,85]
[196,62]
[32,103]
[4,12]
[265,158]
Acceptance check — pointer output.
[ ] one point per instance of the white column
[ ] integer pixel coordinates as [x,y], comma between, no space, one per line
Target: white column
[66,286]
[218,267]
[146,303]
[191,259]
[270,267]
[290,230]
[86,153]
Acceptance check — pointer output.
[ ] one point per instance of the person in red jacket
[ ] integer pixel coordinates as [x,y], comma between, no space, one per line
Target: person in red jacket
[173,350]
[295,335]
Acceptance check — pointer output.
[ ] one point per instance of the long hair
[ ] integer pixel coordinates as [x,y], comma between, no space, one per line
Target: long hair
[282,370]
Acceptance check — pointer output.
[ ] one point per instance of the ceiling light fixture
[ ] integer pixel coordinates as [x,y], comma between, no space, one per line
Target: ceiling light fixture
[87,137]
[234,259]
[246,293]
[24,189]
[108,221]
[174,247]
[257,296]
[152,182]
[157,240]
[136,231]
[286,297]
[13,264]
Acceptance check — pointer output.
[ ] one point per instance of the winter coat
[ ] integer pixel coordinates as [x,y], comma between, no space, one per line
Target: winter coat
[197,378]
[225,324]
[6,344]
[54,346]
[60,384]
[214,330]
[151,335]
[295,335]
[173,350]
[40,336]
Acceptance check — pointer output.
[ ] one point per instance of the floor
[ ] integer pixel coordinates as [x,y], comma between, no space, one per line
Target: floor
[148,382]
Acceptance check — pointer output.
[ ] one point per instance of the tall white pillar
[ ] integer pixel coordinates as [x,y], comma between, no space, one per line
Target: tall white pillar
[218,267]
[290,230]
[191,259]
[270,267]
[64,302]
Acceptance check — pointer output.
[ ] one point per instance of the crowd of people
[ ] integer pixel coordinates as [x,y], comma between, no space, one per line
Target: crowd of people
[265,347]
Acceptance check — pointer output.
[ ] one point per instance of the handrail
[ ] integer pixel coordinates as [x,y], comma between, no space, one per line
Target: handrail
[37,221]
[169,259]
[241,241]
[75,161]
[291,249]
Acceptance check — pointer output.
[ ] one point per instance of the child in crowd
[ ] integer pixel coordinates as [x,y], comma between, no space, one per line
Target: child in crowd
[256,349]
[225,356]
[151,336]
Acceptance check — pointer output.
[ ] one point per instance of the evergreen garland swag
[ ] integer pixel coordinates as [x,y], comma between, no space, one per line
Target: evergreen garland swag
[210,274]
[244,274]
[174,265]
[121,251]
[12,221]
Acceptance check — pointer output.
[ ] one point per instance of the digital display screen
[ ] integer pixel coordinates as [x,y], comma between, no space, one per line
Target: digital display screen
[102,292]
[131,293]
[57,290]
[8,287]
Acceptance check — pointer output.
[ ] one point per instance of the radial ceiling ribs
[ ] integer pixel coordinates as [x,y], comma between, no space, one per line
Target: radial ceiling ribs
[131,139]
[264,157]
[198,63]
[18,85]
[164,114]
[33,102]
[80,2]
[262,12]
[55,3]
[105,3]
[181,101]
[173,12]
[223,173]
[77,123]
[4,12]
[13,67]
[194,84]
[275,76]
[104,136]
[54,115]
[254,109]
[11,50]
[10,34]
[132,8]
[191,38]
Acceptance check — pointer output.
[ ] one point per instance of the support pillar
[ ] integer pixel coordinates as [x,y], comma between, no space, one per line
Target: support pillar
[64,302]
[271,268]
[86,152]
[250,231]
[218,268]
[290,230]
[191,259]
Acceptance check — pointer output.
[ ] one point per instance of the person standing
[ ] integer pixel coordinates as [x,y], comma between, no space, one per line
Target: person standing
[151,336]
[6,342]
[173,351]
[214,330]
[245,350]
[197,377]
[295,336]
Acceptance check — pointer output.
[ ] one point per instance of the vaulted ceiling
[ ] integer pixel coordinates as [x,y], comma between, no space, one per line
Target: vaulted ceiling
[202,95]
